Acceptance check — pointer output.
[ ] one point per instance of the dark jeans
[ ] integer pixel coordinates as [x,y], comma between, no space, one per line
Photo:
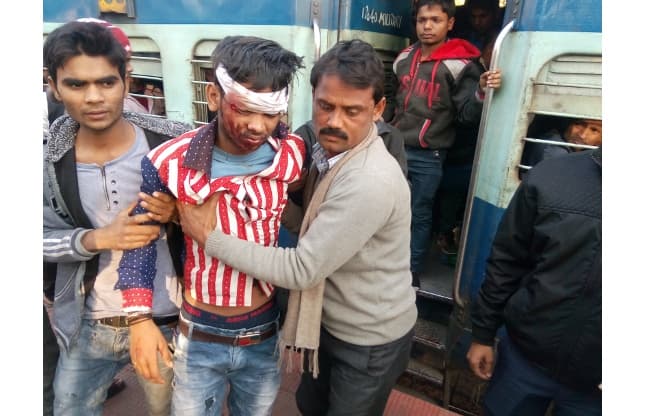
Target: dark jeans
[425,175]
[50,358]
[519,388]
[353,380]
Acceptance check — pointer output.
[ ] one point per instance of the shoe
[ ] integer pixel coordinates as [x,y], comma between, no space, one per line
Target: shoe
[117,386]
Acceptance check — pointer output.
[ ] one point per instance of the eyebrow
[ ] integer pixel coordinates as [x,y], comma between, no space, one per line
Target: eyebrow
[72,81]
[345,107]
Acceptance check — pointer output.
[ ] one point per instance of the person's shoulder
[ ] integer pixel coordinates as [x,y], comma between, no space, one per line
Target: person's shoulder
[166,127]
[306,132]
[564,169]
[377,165]
[404,54]
[172,148]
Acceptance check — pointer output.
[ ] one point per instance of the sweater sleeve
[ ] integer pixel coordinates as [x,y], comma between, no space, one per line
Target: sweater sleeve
[137,268]
[467,104]
[333,238]
[507,264]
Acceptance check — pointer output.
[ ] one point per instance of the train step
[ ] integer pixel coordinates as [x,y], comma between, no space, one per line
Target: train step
[431,334]
[418,367]
[436,282]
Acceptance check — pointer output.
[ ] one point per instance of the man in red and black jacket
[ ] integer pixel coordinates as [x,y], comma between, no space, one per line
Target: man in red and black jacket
[441,83]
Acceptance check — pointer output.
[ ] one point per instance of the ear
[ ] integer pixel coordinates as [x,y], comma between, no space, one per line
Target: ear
[52,86]
[213,95]
[451,23]
[379,109]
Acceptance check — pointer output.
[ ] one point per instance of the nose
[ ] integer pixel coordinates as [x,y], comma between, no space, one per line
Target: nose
[255,123]
[93,94]
[334,119]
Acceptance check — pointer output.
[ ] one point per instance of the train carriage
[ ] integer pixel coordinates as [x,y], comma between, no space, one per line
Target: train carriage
[549,52]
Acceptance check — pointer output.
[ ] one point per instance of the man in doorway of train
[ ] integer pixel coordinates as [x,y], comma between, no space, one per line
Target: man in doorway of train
[91,182]
[484,25]
[349,273]
[441,83]
[543,284]
[577,131]
[228,328]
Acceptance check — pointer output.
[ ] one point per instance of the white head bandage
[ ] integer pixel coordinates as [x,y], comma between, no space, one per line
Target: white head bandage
[262,102]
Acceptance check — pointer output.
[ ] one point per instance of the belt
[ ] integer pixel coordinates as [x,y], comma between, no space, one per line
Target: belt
[238,340]
[122,321]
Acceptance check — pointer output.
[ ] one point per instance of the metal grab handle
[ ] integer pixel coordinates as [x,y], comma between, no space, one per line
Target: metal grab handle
[317,37]
[315,15]
[476,161]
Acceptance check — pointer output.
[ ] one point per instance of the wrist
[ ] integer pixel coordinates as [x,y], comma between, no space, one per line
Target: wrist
[135,318]
[480,92]
[89,240]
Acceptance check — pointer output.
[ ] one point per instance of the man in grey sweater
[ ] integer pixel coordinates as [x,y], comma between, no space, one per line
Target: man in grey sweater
[353,245]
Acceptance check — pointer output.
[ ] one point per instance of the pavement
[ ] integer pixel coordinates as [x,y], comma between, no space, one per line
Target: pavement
[130,401]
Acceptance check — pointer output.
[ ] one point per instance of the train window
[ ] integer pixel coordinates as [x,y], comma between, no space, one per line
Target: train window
[569,85]
[567,88]
[146,81]
[549,136]
[202,75]
[388,57]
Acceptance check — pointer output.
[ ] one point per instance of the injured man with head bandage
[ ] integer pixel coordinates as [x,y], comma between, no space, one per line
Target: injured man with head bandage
[246,155]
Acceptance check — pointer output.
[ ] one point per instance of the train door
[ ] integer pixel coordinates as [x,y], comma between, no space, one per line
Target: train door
[550,57]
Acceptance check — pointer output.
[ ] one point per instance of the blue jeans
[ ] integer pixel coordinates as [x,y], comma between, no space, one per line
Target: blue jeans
[84,374]
[425,175]
[519,388]
[50,358]
[203,370]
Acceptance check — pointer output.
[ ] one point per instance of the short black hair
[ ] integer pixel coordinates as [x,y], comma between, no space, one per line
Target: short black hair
[354,61]
[448,6]
[260,62]
[82,38]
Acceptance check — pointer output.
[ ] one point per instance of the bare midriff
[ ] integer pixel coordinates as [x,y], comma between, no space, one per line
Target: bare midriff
[258,299]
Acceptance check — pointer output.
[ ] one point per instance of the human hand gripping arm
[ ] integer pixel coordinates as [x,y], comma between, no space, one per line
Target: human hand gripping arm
[331,240]
[160,206]
[124,233]
[198,221]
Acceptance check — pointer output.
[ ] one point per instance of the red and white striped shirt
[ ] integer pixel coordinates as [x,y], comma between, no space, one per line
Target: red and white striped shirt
[250,207]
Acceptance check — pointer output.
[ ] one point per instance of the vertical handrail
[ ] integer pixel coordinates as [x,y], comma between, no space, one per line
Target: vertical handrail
[315,14]
[476,162]
[317,38]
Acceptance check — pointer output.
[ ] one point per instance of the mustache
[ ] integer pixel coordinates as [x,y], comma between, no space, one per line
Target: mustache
[330,131]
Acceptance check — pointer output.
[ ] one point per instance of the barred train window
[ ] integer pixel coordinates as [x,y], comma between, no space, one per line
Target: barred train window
[146,82]
[567,88]
[202,75]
